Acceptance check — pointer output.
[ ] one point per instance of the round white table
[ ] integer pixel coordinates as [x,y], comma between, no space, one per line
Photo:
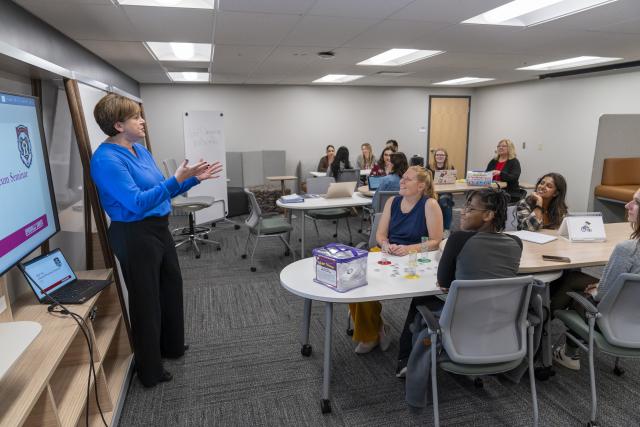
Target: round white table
[15,338]
[321,203]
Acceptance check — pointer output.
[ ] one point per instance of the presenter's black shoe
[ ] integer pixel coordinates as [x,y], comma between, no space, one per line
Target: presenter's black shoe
[173,356]
[166,376]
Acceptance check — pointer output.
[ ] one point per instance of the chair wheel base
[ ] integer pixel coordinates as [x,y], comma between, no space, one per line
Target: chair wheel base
[244,256]
[306,350]
[206,236]
[359,230]
[218,248]
[197,256]
[253,269]
[591,424]
[335,235]
[350,332]
[543,373]
[325,406]
[236,227]
[618,371]
[287,253]
[478,383]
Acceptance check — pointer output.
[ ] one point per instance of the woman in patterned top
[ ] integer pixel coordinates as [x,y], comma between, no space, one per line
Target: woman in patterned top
[545,207]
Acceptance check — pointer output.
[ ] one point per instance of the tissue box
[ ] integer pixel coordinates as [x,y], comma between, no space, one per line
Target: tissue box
[340,267]
[479,178]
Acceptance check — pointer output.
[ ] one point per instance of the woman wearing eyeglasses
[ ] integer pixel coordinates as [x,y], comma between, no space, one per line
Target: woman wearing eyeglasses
[545,207]
[625,258]
[404,221]
[445,200]
[505,167]
[479,251]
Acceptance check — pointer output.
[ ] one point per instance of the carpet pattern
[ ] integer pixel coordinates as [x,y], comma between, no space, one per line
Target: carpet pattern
[244,367]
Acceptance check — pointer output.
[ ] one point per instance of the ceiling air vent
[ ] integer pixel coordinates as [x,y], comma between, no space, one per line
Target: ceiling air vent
[392,73]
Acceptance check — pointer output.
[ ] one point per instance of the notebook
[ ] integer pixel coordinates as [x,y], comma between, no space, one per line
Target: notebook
[374,182]
[340,189]
[534,237]
[445,176]
[51,273]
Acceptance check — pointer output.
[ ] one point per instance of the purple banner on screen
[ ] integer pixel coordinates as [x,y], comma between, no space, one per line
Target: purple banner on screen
[23,234]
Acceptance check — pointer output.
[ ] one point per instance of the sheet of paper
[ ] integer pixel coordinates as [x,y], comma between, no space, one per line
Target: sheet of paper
[531,236]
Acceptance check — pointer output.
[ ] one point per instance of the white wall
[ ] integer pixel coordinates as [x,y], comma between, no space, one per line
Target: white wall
[558,120]
[299,119]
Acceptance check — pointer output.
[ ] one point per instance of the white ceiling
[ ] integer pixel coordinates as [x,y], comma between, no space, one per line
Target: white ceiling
[276,41]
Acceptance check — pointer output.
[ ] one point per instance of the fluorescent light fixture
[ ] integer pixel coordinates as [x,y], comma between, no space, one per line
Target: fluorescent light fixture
[337,78]
[464,81]
[525,13]
[578,61]
[192,52]
[188,76]
[186,4]
[397,57]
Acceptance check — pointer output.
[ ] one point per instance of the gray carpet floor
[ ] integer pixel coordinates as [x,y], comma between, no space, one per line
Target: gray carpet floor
[244,366]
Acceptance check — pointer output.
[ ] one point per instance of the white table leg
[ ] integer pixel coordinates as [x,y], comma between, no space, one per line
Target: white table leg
[325,403]
[302,226]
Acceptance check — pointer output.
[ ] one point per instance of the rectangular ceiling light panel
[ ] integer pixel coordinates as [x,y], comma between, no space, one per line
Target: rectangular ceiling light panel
[464,81]
[189,52]
[186,4]
[337,78]
[397,57]
[526,13]
[188,76]
[579,61]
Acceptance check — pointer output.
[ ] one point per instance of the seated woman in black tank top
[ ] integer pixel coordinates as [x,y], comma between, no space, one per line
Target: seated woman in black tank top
[405,220]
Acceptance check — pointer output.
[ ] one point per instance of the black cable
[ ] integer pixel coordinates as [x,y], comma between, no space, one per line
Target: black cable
[84,327]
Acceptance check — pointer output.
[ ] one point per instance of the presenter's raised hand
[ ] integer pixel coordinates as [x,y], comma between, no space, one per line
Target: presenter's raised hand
[185,170]
[213,171]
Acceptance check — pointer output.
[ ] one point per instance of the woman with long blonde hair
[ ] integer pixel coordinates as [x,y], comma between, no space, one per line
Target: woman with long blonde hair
[366,160]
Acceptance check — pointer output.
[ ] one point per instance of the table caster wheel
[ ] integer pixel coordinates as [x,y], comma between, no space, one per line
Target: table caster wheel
[253,269]
[306,350]
[287,253]
[197,256]
[544,373]
[236,227]
[325,406]
[206,236]
[335,235]
[478,383]
[218,248]
[592,424]
[350,332]
[618,371]
[244,256]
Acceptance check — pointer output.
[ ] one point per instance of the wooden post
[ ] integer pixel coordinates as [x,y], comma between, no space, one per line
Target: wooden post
[5,304]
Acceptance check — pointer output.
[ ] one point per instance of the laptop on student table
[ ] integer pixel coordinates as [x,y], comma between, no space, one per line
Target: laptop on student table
[339,190]
[52,274]
[444,176]
[374,182]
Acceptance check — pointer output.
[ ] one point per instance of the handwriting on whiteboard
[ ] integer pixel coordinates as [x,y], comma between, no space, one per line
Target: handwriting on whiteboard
[202,136]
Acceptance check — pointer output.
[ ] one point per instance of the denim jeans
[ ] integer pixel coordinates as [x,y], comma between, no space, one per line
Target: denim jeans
[445,200]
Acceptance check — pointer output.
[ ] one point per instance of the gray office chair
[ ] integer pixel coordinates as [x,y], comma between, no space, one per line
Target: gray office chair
[483,329]
[192,234]
[377,205]
[618,322]
[348,175]
[320,185]
[261,227]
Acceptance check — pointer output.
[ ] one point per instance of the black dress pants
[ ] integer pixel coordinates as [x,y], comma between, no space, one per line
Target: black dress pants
[149,263]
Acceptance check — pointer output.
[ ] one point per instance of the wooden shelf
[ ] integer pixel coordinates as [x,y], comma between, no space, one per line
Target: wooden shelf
[69,389]
[104,328]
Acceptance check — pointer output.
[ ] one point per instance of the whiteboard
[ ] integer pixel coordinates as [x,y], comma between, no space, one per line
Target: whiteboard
[204,139]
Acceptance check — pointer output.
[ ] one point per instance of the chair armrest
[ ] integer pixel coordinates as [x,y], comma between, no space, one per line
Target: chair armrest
[590,308]
[428,317]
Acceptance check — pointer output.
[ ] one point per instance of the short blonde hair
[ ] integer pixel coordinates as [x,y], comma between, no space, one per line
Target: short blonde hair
[114,108]
[424,176]
[510,147]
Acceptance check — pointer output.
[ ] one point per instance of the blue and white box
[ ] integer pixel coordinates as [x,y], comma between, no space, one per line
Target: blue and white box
[340,267]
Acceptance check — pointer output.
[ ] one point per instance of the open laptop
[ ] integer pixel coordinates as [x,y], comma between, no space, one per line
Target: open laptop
[340,189]
[374,182]
[445,176]
[52,274]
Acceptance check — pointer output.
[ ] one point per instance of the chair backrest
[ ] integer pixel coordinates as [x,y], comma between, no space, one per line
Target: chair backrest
[170,166]
[319,185]
[374,228]
[512,221]
[485,321]
[349,175]
[380,199]
[620,320]
[256,213]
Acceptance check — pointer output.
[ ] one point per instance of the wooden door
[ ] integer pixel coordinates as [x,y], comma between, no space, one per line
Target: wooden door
[449,129]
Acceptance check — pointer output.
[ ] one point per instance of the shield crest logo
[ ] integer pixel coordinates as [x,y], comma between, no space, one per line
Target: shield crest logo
[24,145]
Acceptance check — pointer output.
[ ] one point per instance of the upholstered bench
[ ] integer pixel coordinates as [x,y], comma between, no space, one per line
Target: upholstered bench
[620,179]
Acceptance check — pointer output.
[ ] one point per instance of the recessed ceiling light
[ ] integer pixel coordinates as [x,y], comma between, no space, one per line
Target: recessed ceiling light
[396,57]
[337,78]
[193,52]
[464,81]
[578,61]
[525,13]
[187,4]
[188,76]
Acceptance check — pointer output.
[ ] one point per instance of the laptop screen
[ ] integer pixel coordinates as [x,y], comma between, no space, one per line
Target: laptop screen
[374,182]
[50,271]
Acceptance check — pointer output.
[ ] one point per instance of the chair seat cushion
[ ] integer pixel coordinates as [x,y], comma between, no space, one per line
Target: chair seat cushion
[330,213]
[623,193]
[273,226]
[479,369]
[579,326]
[192,204]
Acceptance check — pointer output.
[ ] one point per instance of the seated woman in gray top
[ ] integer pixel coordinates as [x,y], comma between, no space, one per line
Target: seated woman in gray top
[340,163]
[366,160]
[624,259]
[483,218]
[545,207]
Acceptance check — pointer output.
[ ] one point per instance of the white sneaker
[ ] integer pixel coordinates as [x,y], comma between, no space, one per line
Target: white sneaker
[560,357]
[366,346]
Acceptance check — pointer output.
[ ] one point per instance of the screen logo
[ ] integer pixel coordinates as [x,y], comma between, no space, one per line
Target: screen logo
[24,145]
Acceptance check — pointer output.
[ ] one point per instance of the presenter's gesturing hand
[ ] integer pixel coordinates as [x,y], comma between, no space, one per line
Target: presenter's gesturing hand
[185,170]
[213,171]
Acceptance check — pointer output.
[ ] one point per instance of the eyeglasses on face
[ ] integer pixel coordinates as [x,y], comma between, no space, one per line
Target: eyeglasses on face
[468,208]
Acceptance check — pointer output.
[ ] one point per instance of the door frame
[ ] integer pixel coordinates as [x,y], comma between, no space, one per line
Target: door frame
[466,158]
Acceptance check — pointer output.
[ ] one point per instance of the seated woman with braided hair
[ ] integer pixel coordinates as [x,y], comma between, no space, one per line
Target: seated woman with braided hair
[482,222]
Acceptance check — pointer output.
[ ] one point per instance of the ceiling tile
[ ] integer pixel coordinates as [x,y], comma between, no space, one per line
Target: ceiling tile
[258,29]
[326,31]
[238,59]
[267,6]
[452,11]
[118,53]
[395,33]
[167,24]
[378,9]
